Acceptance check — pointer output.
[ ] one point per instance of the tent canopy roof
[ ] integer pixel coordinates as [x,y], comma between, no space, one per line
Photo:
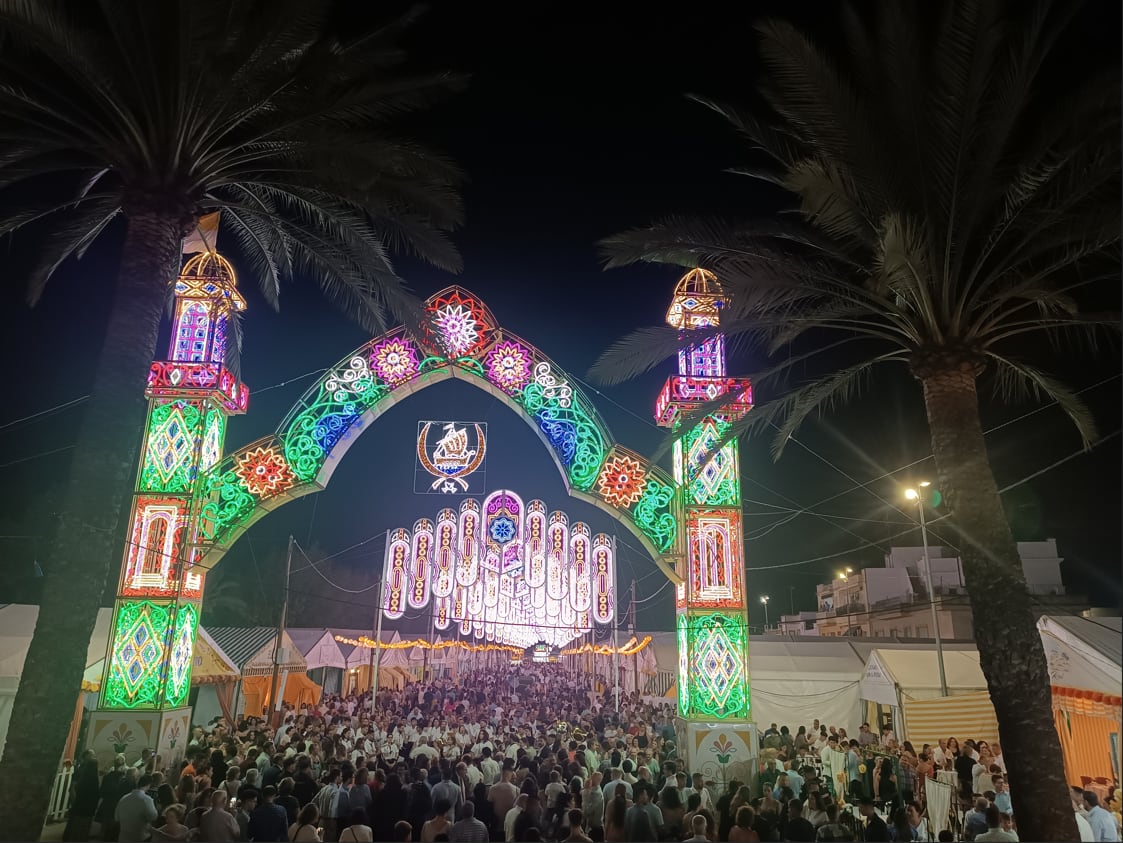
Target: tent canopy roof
[17,626]
[918,671]
[1083,653]
[319,647]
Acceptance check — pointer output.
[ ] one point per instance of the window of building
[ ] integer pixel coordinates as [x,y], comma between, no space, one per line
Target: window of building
[921,631]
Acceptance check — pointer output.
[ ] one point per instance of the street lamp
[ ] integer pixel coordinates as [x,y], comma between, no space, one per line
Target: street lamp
[764,600]
[918,496]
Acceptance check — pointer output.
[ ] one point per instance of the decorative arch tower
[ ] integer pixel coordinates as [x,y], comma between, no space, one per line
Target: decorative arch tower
[711,615]
[190,395]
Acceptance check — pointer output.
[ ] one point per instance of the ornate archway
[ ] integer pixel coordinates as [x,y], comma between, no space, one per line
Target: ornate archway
[191,504]
[308,445]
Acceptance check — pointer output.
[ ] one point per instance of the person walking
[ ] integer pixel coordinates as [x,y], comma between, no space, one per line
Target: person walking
[134,812]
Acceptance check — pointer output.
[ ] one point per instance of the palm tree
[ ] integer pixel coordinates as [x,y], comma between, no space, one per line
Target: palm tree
[955,215]
[138,117]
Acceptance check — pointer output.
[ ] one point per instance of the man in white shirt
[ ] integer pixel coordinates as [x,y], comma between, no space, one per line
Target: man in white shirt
[489,767]
[423,750]
[512,816]
[698,787]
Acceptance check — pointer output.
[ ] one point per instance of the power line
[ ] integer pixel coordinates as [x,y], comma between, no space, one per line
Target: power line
[57,408]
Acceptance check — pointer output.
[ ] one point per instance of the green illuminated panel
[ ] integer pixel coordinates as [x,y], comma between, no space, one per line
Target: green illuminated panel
[683,669]
[169,456]
[714,480]
[140,636]
[179,665]
[653,514]
[718,646]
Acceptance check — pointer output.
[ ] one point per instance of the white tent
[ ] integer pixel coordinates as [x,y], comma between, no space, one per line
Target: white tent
[17,626]
[1083,653]
[1085,657]
[909,680]
[795,681]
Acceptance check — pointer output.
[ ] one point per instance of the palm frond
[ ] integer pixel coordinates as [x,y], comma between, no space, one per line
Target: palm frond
[1017,381]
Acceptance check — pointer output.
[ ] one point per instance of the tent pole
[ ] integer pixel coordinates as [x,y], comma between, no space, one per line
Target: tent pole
[376,650]
[274,695]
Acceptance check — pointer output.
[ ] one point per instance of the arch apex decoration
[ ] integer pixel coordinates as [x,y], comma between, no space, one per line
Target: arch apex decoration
[460,339]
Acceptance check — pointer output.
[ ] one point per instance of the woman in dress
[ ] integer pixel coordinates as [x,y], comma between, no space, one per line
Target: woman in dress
[304,830]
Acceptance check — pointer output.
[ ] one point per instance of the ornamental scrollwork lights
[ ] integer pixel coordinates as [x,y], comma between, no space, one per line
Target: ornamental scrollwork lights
[460,333]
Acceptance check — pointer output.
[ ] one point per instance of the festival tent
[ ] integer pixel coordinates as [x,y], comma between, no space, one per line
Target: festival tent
[909,681]
[797,680]
[251,650]
[17,626]
[322,653]
[1085,657]
[214,678]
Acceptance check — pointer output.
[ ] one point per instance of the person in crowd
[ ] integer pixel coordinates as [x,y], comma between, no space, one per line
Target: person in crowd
[975,820]
[1101,821]
[268,820]
[742,830]
[833,831]
[994,831]
[173,827]
[218,824]
[698,827]
[876,831]
[615,816]
[357,831]
[134,812]
[246,806]
[799,828]
[441,822]
[468,829]
[85,793]
[306,828]
[576,828]
[643,822]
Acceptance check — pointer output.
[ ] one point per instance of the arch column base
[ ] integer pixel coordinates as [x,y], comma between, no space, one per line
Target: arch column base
[721,750]
[113,732]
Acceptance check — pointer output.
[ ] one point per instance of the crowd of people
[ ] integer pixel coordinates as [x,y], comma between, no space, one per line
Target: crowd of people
[523,753]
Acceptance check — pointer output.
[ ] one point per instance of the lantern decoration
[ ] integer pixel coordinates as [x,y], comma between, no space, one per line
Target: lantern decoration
[712,620]
[522,574]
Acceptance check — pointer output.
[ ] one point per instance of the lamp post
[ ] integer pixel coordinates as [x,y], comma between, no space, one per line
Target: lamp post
[918,496]
[764,600]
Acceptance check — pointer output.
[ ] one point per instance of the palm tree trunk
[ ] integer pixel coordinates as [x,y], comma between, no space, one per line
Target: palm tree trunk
[1010,650]
[87,545]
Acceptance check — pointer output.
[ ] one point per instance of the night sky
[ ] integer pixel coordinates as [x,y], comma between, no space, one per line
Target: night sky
[574,126]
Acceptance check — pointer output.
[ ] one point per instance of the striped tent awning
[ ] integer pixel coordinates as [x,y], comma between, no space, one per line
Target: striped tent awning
[251,649]
[963,715]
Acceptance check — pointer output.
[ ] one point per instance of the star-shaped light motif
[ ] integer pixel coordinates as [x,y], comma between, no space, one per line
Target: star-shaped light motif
[458,328]
[264,472]
[394,360]
[508,366]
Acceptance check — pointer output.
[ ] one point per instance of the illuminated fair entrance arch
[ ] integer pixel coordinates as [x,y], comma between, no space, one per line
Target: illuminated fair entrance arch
[190,506]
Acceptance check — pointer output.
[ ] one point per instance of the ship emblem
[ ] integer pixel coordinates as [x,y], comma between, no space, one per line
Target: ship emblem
[452,457]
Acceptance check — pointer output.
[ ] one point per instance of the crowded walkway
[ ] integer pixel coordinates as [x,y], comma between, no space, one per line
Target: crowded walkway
[539,752]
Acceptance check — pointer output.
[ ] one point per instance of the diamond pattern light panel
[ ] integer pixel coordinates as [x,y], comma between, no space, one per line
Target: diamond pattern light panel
[717,645]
